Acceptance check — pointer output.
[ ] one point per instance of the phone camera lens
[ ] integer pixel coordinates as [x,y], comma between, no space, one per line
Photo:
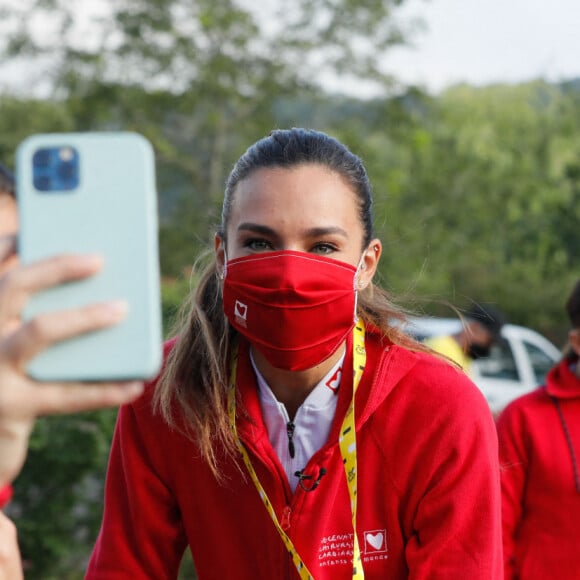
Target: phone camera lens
[42,183]
[41,158]
[66,170]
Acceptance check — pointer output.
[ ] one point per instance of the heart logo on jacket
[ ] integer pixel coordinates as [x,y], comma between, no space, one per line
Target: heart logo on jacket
[375,541]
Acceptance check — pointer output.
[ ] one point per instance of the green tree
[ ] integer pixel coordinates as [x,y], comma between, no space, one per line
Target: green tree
[20,118]
[484,200]
[199,79]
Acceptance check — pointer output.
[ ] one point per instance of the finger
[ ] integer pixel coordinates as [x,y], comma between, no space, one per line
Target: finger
[17,285]
[8,257]
[46,329]
[7,247]
[53,399]
[8,264]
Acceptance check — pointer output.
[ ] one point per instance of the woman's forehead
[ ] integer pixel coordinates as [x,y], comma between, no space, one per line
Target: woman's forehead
[308,188]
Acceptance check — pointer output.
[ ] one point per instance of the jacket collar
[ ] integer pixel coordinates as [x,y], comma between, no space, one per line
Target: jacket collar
[387,365]
[561,382]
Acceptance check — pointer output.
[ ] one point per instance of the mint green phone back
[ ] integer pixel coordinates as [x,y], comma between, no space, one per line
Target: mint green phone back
[113,213]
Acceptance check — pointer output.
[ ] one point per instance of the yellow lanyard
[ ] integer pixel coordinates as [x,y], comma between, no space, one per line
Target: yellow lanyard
[347,444]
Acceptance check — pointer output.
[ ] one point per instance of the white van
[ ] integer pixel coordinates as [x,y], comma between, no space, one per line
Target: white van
[516,366]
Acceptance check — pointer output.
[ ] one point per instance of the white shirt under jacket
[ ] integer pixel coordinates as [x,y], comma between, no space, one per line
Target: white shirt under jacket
[311,424]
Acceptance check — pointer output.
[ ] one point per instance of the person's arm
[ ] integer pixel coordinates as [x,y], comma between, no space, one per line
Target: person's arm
[513,464]
[141,534]
[454,488]
[10,564]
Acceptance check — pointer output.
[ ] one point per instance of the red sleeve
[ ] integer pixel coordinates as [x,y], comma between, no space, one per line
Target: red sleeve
[455,529]
[141,534]
[514,465]
[5,495]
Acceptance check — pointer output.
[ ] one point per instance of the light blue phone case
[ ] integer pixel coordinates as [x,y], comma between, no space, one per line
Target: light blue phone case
[113,213]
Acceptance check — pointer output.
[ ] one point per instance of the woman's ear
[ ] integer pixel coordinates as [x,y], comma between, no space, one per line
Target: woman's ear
[220,254]
[369,263]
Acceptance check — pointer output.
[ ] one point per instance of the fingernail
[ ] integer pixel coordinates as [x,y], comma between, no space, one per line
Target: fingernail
[116,310]
[134,388]
[93,260]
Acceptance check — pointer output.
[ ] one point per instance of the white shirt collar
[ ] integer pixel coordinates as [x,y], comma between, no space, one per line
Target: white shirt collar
[312,422]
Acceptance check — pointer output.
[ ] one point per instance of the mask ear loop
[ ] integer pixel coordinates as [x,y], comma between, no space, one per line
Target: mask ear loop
[357,284]
[224,270]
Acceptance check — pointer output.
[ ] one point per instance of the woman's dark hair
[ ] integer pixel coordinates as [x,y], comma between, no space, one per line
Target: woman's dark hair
[192,391]
[294,147]
[573,306]
[6,181]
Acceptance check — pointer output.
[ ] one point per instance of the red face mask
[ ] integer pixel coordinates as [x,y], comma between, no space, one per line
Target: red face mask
[295,308]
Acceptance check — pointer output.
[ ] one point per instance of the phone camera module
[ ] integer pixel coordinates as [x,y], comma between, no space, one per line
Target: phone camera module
[55,169]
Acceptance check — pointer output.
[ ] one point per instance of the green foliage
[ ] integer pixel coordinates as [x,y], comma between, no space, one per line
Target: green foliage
[20,118]
[58,495]
[173,294]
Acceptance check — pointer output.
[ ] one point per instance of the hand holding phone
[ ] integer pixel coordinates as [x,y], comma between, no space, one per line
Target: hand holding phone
[21,398]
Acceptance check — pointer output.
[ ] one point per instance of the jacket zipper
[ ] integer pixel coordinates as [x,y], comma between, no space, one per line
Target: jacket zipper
[290,431]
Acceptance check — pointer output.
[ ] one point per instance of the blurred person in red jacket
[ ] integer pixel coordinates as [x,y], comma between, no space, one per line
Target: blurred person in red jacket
[539,444]
[295,432]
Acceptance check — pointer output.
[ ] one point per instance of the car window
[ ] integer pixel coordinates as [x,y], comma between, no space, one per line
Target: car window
[500,364]
[540,361]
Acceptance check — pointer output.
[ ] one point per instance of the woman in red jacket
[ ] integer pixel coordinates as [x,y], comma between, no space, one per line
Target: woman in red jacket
[295,431]
[539,437]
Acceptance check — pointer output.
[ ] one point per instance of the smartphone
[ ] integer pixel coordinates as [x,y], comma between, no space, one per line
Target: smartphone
[94,193]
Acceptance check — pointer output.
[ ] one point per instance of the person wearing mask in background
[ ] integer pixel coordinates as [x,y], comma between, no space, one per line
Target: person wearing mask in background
[480,330]
[21,398]
[539,446]
[295,431]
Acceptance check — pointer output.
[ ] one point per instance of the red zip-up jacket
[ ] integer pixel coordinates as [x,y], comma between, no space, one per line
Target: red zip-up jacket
[539,455]
[428,487]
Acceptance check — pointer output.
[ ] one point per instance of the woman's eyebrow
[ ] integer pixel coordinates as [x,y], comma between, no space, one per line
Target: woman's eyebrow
[326,231]
[315,232]
[256,228]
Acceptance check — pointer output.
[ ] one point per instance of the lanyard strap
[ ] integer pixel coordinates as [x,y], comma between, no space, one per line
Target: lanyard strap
[347,444]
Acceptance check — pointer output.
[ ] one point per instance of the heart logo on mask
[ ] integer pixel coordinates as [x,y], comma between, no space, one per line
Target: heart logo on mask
[241,312]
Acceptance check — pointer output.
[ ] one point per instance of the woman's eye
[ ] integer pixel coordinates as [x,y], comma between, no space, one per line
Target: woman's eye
[257,245]
[323,248]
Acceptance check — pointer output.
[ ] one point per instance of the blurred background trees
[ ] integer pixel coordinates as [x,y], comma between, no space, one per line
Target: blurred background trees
[477,190]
